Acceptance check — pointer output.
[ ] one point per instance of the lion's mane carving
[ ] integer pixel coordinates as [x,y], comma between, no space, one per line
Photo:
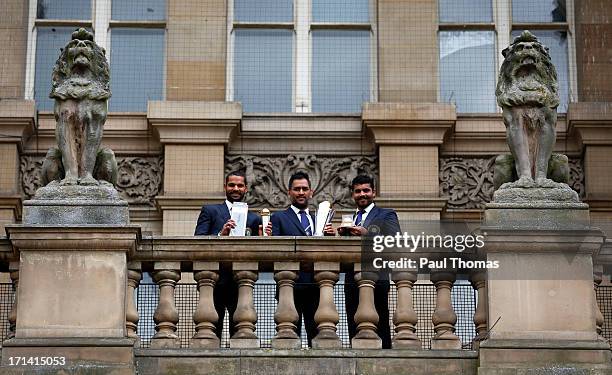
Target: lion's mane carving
[527,75]
[81,71]
[527,92]
[81,90]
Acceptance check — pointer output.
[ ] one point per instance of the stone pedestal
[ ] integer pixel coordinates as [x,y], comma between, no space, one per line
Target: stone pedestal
[540,299]
[72,296]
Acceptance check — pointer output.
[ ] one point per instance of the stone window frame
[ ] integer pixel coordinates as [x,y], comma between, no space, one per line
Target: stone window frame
[503,26]
[100,20]
[302,25]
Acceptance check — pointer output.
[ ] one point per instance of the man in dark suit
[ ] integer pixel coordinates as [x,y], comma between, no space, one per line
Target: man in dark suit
[216,220]
[298,221]
[367,215]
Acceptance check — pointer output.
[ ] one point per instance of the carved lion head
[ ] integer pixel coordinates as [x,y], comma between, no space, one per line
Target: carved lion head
[81,71]
[527,75]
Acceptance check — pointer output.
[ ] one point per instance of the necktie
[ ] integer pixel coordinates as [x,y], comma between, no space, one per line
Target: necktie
[305,223]
[359,218]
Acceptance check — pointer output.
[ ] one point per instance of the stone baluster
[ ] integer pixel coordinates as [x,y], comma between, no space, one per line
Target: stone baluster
[366,316]
[597,279]
[166,317]
[326,316]
[245,316]
[286,315]
[405,318]
[205,316]
[478,279]
[12,316]
[131,313]
[444,317]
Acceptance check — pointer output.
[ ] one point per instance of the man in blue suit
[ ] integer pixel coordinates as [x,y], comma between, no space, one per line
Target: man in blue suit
[367,215]
[298,221]
[216,220]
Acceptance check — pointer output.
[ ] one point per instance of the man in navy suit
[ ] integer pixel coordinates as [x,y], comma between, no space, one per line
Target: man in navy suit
[366,215]
[298,221]
[215,220]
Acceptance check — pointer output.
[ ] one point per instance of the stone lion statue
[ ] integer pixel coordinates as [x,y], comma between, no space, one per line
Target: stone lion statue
[527,92]
[81,90]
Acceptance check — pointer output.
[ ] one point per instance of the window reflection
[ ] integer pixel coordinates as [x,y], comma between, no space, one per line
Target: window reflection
[263,66]
[457,11]
[64,9]
[467,70]
[340,70]
[142,10]
[538,11]
[340,11]
[263,10]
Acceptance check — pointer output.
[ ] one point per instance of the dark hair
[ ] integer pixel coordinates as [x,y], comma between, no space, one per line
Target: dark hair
[236,173]
[362,179]
[298,176]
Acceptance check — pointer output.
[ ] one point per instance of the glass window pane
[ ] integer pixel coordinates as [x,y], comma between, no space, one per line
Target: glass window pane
[64,9]
[340,70]
[556,41]
[538,11]
[263,70]
[458,11]
[49,40]
[137,68]
[340,11]
[126,10]
[263,10]
[467,70]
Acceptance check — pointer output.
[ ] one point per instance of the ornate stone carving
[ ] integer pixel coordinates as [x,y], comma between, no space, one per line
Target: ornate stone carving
[330,177]
[139,179]
[468,182]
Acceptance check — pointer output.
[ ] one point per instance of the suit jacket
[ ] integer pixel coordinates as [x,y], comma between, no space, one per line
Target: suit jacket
[286,223]
[213,217]
[385,218]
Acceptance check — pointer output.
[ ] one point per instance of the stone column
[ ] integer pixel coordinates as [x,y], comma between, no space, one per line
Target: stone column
[72,294]
[131,315]
[540,298]
[12,316]
[444,317]
[205,317]
[166,317]
[591,125]
[17,118]
[405,318]
[326,316]
[597,278]
[479,282]
[366,317]
[193,133]
[408,137]
[245,316]
[286,315]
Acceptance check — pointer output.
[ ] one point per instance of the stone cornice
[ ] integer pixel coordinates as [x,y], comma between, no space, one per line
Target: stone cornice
[591,122]
[408,204]
[409,123]
[185,122]
[17,121]
[77,237]
[14,203]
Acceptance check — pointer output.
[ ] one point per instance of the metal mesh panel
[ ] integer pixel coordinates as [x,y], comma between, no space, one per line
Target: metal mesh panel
[6,302]
[424,299]
[604,299]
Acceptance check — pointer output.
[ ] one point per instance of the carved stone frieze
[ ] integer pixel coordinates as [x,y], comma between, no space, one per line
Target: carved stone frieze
[468,182]
[330,177]
[139,179]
